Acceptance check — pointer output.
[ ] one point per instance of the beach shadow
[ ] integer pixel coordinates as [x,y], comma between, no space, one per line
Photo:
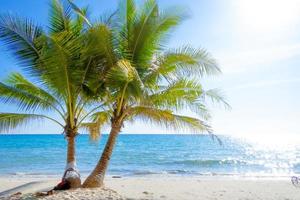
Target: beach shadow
[31,187]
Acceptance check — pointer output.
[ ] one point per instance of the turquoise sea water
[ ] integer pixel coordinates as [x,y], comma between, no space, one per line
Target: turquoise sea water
[149,154]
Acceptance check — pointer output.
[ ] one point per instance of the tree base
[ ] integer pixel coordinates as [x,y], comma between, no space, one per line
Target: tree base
[93,182]
[71,180]
[74,182]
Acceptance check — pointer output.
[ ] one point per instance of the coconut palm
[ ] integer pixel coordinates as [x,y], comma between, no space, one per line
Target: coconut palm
[60,63]
[149,82]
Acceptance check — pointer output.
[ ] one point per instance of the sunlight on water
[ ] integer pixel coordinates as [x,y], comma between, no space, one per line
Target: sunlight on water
[274,141]
[279,154]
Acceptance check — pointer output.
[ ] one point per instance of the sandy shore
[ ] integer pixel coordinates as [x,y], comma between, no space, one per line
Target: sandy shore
[175,188]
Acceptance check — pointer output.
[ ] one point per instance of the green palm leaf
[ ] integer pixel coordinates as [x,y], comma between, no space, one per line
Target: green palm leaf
[188,61]
[60,69]
[60,17]
[81,13]
[216,96]
[100,45]
[142,29]
[21,35]
[23,99]
[20,82]
[176,95]
[127,15]
[191,124]
[167,119]
[9,121]
[99,119]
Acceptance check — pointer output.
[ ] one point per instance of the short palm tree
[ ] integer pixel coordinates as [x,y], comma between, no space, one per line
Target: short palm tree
[60,63]
[146,81]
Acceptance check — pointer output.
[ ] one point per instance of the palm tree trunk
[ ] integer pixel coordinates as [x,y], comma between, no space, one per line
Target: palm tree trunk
[95,179]
[71,174]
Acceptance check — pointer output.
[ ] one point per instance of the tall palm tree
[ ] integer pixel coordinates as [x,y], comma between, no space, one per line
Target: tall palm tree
[61,63]
[149,82]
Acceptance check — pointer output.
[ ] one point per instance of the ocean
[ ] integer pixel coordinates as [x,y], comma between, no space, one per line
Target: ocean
[136,155]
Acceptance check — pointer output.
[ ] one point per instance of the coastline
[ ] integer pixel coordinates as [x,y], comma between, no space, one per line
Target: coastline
[168,187]
[237,170]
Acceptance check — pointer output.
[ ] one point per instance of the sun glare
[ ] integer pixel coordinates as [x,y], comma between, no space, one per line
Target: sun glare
[267,15]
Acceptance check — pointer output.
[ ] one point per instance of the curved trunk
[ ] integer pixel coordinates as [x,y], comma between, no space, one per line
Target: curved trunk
[71,174]
[95,179]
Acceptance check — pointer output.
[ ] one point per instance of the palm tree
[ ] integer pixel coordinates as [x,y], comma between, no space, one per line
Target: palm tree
[61,63]
[149,82]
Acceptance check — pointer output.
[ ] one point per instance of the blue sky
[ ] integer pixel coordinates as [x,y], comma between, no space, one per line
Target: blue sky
[256,42]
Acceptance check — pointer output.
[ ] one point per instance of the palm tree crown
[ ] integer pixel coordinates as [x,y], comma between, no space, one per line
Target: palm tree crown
[145,80]
[60,61]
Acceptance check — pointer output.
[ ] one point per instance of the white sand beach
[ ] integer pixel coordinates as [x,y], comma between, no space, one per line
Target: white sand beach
[168,187]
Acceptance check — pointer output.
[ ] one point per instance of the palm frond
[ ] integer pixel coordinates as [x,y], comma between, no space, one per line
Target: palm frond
[159,29]
[81,13]
[149,11]
[98,57]
[167,119]
[191,124]
[18,81]
[100,45]
[200,109]
[20,36]
[178,94]
[127,11]
[60,17]
[188,61]
[78,24]
[23,99]
[150,114]
[9,121]
[60,69]
[127,15]
[99,119]
[215,96]
[36,96]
